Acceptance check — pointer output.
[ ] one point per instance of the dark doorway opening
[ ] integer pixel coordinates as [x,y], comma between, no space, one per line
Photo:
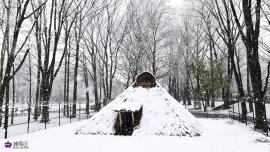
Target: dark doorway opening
[127,126]
[126,121]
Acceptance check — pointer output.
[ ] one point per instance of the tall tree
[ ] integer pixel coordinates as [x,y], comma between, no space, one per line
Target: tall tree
[78,37]
[52,29]
[91,47]
[250,39]
[10,51]
[86,82]
[68,27]
[111,36]
[229,34]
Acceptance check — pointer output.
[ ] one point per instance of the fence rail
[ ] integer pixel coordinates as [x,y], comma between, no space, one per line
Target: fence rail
[235,111]
[24,122]
[21,124]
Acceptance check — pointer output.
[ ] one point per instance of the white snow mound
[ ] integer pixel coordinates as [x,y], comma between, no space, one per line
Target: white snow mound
[162,115]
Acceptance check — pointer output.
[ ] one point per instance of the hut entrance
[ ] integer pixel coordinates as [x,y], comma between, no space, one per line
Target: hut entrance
[127,123]
[127,120]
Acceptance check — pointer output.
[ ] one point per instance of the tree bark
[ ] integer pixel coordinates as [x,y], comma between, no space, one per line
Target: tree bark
[37,99]
[13,99]
[85,73]
[6,110]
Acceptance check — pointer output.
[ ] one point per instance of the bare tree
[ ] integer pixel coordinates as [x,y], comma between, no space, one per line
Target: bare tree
[68,26]
[186,40]
[111,38]
[229,34]
[250,39]
[58,13]
[91,47]
[78,36]
[10,51]
[156,23]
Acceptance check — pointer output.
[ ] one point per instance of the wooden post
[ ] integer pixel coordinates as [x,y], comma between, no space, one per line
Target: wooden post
[120,120]
[132,119]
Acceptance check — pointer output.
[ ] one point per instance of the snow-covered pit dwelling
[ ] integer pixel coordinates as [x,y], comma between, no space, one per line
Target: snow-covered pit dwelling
[145,108]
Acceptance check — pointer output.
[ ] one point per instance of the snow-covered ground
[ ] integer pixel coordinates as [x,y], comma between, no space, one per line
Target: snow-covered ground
[19,125]
[234,108]
[219,135]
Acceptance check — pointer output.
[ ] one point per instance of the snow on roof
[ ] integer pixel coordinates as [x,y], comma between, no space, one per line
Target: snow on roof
[161,114]
[127,106]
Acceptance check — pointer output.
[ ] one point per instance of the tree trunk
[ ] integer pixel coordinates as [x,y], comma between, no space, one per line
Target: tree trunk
[154,61]
[188,87]
[2,94]
[85,72]
[67,86]
[248,90]
[46,94]
[238,78]
[94,68]
[251,41]
[30,92]
[87,95]
[75,83]
[37,101]
[212,93]
[13,99]
[6,110]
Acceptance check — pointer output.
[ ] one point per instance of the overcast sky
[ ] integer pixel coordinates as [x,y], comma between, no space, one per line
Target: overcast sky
[177,2]
[180,6]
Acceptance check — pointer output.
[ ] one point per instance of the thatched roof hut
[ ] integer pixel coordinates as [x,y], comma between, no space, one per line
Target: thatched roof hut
[145,108]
